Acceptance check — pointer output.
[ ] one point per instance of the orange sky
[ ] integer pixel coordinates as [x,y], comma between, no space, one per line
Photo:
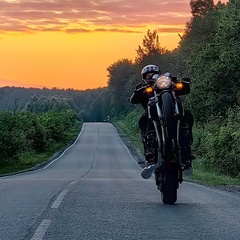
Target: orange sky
[69,44]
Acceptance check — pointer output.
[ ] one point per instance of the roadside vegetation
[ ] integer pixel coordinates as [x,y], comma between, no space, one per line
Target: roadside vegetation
[207,168]
[208,53]
[32,136]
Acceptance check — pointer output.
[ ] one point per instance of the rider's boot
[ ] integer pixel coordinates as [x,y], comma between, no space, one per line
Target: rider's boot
[149,147]
[149,156]
[186,157]
[186,140]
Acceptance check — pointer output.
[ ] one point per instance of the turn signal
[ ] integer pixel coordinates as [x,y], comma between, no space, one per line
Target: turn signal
[149,90]
[179,85]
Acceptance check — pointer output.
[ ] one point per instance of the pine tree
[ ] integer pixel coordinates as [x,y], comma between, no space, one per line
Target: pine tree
[200,8]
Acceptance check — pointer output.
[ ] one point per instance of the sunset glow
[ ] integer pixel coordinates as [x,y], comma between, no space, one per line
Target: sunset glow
[69,44]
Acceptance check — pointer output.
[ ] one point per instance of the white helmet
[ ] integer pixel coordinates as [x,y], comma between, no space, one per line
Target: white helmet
[149,69]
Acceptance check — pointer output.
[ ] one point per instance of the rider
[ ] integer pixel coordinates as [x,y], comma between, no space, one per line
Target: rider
[149,75]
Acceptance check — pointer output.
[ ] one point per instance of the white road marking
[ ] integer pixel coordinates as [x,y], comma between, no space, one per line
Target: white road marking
[41,230]
[59,199]
[129,153]
[63,152]
[73,182]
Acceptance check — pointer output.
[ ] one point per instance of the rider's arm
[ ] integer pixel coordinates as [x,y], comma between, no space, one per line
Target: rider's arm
[138,94]
[186,80]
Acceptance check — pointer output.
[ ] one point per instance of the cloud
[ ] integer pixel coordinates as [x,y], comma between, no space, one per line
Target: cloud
[82,30]
[170,30]
[74,16]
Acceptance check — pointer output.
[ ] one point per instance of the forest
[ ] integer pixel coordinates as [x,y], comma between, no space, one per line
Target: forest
[208,53]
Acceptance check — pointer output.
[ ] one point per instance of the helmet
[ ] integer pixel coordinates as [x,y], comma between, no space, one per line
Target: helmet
[149,69]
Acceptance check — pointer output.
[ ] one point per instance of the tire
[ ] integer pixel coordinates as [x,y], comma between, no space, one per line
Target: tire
[169,126]
[170,183]
[169,195]
[169,116]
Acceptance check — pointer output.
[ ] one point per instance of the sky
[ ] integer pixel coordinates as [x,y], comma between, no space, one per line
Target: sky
[71,43]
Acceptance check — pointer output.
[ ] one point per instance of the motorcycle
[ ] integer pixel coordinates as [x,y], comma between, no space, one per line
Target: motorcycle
[164,113]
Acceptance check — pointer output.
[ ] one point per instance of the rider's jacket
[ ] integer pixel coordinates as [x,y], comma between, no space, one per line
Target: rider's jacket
[139,95]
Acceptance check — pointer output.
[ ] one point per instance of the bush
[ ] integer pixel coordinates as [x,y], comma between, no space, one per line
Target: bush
[23,132]
[13,140]
[218,143]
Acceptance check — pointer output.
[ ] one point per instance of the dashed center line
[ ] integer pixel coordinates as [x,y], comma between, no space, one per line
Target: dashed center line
[59,199]
[41,230]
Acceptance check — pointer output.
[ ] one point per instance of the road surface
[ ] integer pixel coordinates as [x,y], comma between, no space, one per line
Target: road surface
[95,191]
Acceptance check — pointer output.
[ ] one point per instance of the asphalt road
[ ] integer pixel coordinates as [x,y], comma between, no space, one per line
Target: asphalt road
[95,191]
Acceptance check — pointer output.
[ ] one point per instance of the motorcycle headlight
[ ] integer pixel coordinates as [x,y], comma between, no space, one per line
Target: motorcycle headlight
[164,82]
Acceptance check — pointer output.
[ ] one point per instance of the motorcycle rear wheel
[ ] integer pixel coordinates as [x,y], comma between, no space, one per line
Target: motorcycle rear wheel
[167,182]
[169,195]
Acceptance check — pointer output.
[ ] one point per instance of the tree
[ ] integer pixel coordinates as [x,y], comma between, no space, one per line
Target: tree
[151,47]
[118,84]
[215,69]
[199,31]
[44,104]
[199,8]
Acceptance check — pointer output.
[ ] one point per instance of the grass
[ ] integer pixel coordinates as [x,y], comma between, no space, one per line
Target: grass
[31,159]
[201,173]
[133,137]
[210,176]
[26,161]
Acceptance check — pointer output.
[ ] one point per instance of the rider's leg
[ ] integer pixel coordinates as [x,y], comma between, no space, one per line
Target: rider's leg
[146,139]
[186,138]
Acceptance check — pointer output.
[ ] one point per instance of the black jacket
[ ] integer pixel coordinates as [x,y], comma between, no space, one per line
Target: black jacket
[139,95]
